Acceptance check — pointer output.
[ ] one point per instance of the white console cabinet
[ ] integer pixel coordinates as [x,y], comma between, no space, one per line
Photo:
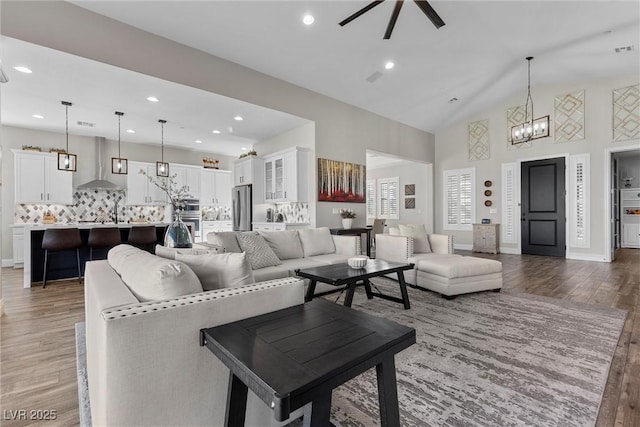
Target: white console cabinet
[38,180]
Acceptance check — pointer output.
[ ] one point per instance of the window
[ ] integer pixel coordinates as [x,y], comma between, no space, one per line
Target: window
[579,207]
[371,198]
[459,204]
[387,199]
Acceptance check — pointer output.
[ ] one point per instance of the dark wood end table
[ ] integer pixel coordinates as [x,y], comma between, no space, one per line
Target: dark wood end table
[342,274]
[356,231]
[298,355]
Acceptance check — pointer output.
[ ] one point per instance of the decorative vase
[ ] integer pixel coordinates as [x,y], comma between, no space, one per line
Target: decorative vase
[178,234]
[347,223]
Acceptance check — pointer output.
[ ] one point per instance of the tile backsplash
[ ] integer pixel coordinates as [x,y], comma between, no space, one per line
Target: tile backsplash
[294,212]
[88,206]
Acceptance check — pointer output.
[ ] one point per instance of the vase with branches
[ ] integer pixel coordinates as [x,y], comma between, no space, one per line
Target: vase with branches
[177,234]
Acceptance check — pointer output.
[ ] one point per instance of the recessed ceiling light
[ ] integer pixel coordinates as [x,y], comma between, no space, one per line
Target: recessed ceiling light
[238,118]
[131,131]
[308,19]
[23,69]
[198,141]
[38,116]
[389,65]
[216,131]
[244,148]
[152,99]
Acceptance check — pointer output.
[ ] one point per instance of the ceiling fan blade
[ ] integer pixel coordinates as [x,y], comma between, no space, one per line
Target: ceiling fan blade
[360,12]
[393,19]
[430,12]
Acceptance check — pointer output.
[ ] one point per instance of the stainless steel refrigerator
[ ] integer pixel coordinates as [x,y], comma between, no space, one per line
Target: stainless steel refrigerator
[242,203]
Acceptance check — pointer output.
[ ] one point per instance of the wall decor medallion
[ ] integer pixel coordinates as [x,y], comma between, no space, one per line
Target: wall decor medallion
[341,181]
[478,140]
[488,183]
[488,203]
[487,193]
[626,113]
[568,117]
[410,190]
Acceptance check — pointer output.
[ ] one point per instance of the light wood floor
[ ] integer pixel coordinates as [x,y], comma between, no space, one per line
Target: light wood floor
[37,348]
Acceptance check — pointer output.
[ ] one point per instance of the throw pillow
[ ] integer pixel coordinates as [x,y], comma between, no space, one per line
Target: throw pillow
[419,235]
[217,271]
[285,244]
[152,278]
[117,255]
[170,253]
[225,239]
[316,241]
[259,253]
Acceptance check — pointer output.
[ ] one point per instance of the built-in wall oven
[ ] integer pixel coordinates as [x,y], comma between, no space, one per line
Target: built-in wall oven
[191,213]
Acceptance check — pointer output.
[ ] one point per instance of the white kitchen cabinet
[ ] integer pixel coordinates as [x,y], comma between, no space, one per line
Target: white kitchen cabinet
[285,176]
[18,247]
[630,217]
[215,227]
[187,176]
[215,188]
[277,226]
[245,170]
[139,190]
[38,180]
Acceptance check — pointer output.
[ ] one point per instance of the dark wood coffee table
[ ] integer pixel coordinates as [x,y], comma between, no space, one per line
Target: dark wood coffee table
[342,274]
[298,355]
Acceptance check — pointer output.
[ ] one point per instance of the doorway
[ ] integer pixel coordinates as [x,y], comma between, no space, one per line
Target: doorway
[543,228]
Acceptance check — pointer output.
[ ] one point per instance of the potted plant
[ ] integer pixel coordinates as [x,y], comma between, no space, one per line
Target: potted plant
[347,218]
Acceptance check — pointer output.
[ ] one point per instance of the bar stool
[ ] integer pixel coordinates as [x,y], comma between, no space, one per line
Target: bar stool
[58,240]
[102,238]
[142,236]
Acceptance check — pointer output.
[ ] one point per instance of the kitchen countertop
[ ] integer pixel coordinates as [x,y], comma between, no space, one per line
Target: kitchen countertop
[286,223]
[85,225]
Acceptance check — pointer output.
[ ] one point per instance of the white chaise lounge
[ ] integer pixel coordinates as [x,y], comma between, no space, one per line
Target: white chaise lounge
[436,267]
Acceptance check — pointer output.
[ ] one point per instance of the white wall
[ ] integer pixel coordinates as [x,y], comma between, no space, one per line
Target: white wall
[342,132]
[416,173]
[452,153]
[85,148]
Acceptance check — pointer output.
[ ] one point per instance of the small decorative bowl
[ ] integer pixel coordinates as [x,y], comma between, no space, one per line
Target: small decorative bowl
[357,261]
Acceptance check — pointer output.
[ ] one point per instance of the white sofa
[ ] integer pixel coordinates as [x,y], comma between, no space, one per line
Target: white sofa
[145,365]
[295,249]
[440,270]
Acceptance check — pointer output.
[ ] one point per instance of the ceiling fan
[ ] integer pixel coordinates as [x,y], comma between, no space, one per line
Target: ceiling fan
[422,4]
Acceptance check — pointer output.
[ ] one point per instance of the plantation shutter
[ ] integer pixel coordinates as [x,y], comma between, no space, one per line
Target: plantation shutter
[579,204]
[371,198]
[459,204]
[508,227]
[388,205]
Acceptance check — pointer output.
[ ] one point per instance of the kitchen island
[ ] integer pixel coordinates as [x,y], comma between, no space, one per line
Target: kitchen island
[63,265]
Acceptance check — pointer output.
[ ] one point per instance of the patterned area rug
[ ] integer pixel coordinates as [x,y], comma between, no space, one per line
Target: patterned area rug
[489,359]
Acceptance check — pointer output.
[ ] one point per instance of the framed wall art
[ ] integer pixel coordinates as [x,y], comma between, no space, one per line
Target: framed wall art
[341,181]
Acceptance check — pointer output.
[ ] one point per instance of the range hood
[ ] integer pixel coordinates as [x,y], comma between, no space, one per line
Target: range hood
[100,183]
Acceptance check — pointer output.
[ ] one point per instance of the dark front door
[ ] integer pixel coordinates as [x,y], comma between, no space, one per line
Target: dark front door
[543,207]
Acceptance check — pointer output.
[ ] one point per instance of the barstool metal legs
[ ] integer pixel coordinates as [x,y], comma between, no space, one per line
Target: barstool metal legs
[46,263]
[78,258]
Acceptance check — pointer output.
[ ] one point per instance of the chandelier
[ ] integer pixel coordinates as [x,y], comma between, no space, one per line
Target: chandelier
[531,128]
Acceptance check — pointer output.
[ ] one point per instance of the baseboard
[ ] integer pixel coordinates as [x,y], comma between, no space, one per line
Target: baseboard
[512,251]
[7,262]
[462,246]
[587,257]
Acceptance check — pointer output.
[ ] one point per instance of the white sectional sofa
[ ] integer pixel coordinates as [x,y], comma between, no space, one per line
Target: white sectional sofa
[143,317]
[436,267]
[294,249]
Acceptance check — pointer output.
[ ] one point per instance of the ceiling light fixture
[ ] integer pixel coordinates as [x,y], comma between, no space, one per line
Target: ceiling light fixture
[38,116]
[198,141]
[308,19]
[131,131]
[531,128]
[119,165]
[152,99]
[23,69]
[162,168]
[238,118]
[389,65]
[67,161]
[216,131]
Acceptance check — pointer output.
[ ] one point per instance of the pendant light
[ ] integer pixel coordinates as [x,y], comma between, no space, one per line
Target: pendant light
[531,128]
[119,165]
[162,168]
[67,161]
